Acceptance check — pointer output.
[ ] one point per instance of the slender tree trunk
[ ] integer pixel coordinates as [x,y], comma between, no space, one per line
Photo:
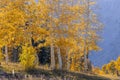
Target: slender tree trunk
[6,52]
[85,58]
[86,32]
[68,60]
[37,59]
[14,54]
[52,57]
[59,58]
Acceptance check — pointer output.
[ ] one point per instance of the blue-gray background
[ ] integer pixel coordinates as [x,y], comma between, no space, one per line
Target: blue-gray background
[109,14]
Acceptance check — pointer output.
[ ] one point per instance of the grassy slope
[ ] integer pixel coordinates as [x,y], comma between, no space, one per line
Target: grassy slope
[69,75]
[40,74]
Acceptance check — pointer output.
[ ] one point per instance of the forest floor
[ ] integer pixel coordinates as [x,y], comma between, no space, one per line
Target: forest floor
[45,74]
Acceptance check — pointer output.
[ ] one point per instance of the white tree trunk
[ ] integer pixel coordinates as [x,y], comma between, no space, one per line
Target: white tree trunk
[86,32]
[52,57]
[68,61]
[6,54]
[59,58]
[85,59]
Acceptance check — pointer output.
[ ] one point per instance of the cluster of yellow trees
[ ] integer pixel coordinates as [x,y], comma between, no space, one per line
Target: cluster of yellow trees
[112,67]
[69,27]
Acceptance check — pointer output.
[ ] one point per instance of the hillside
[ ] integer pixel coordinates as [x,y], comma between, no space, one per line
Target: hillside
[51,75]
[44,73]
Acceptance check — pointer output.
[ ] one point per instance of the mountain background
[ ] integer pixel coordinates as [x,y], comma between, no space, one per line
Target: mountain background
[108,12]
